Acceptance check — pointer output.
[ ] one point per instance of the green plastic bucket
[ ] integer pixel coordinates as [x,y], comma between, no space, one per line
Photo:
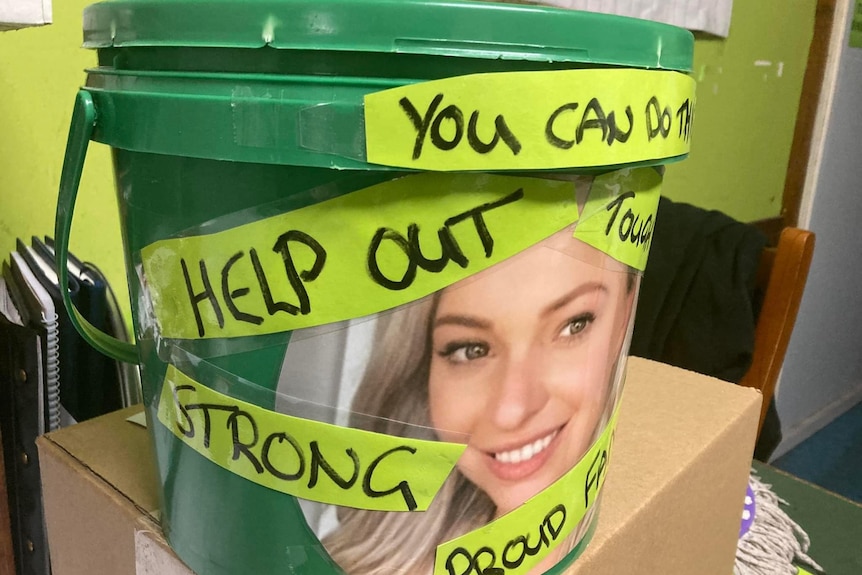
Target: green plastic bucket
[259,146]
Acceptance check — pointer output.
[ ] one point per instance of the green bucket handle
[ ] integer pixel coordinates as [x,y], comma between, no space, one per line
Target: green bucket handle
[83,123]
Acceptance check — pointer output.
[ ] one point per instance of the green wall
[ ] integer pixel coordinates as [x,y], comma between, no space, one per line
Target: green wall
[40,71]
[741,141]
[747,96]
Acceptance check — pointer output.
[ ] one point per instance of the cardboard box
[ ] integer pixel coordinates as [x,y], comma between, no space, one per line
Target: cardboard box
[672,501]
[99,483]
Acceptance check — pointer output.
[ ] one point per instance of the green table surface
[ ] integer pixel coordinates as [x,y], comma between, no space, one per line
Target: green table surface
[833,523]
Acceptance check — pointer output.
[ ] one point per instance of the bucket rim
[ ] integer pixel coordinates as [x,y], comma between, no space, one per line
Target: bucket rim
[463,28]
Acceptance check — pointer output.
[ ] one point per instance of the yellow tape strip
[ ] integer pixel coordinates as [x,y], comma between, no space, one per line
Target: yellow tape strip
[308,459]
[620,215]
[355,255]
[381,247]
[518,541]
[532,120]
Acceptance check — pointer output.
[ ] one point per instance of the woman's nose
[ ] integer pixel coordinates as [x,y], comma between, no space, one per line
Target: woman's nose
[521,393]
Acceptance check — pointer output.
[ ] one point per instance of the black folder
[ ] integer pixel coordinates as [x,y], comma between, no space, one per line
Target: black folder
[89,381]
[29,405]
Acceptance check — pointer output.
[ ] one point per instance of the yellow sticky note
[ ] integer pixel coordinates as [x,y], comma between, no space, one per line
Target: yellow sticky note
[620,215]
[309,459]
[518,541]
[532,120]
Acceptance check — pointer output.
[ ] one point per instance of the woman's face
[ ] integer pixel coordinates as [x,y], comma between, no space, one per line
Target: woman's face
[522,359]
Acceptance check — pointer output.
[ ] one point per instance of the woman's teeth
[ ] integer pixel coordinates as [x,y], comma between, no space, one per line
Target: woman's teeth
[526,452]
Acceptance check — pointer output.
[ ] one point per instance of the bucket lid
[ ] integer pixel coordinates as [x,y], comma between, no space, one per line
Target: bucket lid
[432,27]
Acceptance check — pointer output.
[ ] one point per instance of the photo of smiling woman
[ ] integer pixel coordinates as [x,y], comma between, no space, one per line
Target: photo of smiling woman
[524,359]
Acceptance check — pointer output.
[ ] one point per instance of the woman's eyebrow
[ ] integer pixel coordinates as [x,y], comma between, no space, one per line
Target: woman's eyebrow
[463,321]
[572,295]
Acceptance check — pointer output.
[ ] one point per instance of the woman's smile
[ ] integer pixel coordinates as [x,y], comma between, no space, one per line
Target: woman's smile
[521,462]
[526,452]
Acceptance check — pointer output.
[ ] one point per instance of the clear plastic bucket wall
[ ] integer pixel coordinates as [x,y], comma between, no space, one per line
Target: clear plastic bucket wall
[357,361]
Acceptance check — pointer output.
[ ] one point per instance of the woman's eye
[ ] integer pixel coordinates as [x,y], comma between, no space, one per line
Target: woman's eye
[577,324]
[463,352]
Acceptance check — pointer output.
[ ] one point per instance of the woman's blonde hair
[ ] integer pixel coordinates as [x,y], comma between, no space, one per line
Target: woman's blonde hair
[393,391]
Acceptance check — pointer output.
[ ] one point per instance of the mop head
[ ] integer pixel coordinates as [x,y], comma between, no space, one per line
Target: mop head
[770,542]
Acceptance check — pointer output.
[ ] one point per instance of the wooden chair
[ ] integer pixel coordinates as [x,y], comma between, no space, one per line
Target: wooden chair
[781,279]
